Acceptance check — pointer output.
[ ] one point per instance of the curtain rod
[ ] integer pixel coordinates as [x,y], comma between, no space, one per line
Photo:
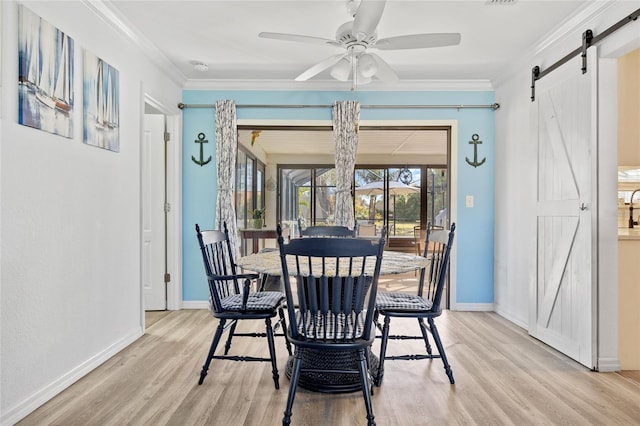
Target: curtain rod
[494,106]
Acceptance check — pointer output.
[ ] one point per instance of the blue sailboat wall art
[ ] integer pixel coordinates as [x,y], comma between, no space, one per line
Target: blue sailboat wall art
[101,103]
[45,75]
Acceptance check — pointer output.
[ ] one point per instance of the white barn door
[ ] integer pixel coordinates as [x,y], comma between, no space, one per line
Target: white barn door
[564,131]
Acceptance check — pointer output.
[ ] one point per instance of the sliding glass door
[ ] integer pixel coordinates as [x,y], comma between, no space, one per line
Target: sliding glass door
[400,198]
[307,194]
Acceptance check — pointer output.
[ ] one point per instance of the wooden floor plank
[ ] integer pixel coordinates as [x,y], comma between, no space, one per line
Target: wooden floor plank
[503,377]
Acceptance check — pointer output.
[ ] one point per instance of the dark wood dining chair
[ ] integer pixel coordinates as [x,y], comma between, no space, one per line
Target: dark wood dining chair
[425,304]
[332,313]
[230,302]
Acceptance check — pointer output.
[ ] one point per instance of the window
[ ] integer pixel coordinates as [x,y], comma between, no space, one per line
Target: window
[250,187]
[401,198]
[307,193]
[397,197]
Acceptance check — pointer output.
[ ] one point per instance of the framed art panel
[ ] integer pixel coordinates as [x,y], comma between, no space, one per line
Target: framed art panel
[101,103]
[45,75]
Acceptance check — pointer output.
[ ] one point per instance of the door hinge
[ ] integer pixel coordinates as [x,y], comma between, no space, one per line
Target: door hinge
[167,207]
[167,136]
[167,278]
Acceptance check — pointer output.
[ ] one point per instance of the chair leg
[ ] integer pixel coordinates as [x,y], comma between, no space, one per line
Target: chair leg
[295,376]
[436,338]
[272,352]
[364,382]
[425,334]
[284,330]
[212,350]
[383,350]
[367,357]
[232,330]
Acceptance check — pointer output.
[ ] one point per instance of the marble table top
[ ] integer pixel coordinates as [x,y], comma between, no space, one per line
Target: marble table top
[393,262]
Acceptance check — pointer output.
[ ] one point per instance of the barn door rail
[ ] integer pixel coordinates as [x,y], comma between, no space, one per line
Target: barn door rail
[588,40]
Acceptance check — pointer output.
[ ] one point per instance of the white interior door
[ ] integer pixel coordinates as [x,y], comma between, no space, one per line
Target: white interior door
[153,213]
[564,124]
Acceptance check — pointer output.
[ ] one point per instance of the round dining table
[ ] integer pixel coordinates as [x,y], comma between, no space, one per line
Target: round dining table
[393,262]
[267,262]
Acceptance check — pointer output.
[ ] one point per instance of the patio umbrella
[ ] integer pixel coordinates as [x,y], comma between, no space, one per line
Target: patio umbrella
[377,188]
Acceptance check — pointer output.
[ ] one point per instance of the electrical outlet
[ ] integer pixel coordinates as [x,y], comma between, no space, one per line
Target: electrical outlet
[469,201]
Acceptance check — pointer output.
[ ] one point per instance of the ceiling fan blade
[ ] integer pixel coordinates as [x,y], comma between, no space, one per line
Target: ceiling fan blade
[418,41]
[319,67]
[367,17]
[298,38]
[385,72]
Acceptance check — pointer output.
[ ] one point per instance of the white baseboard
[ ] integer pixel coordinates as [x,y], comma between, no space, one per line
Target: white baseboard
[30,404]
[472,307]
[608,364]
[195,304]
[513,319]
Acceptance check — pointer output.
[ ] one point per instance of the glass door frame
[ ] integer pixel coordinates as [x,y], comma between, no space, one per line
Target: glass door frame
[452,163]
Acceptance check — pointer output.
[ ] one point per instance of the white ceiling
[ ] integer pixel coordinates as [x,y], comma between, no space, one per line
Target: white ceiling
[224,35]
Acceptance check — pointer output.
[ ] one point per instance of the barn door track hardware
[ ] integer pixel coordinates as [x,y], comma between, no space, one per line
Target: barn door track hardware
[588,39]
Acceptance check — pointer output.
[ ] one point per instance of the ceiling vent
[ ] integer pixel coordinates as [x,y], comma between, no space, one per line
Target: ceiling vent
[499,2]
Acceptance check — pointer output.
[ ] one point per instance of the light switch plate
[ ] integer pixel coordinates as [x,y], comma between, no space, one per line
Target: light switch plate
[469,201]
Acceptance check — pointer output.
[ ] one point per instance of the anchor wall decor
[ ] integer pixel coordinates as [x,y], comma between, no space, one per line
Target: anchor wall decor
[475,142]
[201,140]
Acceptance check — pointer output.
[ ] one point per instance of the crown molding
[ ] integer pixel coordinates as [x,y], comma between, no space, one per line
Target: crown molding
[109,14]
[333,85]
[577,22]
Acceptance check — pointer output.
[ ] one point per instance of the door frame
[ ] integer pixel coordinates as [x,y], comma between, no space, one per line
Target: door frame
[613,47]
[610,50]
[174,198]
[271,170]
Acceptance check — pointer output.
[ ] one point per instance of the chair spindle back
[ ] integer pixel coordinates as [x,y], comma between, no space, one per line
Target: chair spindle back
[437,248]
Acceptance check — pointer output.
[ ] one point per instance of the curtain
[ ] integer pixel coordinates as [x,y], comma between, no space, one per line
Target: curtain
[226,153]
[346,115]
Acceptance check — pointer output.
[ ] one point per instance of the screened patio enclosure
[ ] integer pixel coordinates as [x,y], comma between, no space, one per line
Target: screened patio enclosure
[398,197]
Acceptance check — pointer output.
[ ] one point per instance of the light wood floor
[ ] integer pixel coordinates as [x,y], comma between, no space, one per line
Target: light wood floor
[152,317]
[503,377]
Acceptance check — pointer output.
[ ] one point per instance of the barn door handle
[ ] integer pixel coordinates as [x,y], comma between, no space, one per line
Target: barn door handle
[583,206]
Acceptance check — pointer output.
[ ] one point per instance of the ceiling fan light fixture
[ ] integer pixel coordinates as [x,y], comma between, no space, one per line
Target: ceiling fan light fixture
[358,36]
[341,70]
[367,66]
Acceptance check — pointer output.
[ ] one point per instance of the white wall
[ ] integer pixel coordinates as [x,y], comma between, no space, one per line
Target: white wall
[70,214]
[515,183]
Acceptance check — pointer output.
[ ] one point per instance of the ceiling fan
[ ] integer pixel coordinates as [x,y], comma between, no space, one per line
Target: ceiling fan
[357,37]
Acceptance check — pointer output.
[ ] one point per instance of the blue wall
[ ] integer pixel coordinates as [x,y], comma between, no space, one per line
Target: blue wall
[474,239]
